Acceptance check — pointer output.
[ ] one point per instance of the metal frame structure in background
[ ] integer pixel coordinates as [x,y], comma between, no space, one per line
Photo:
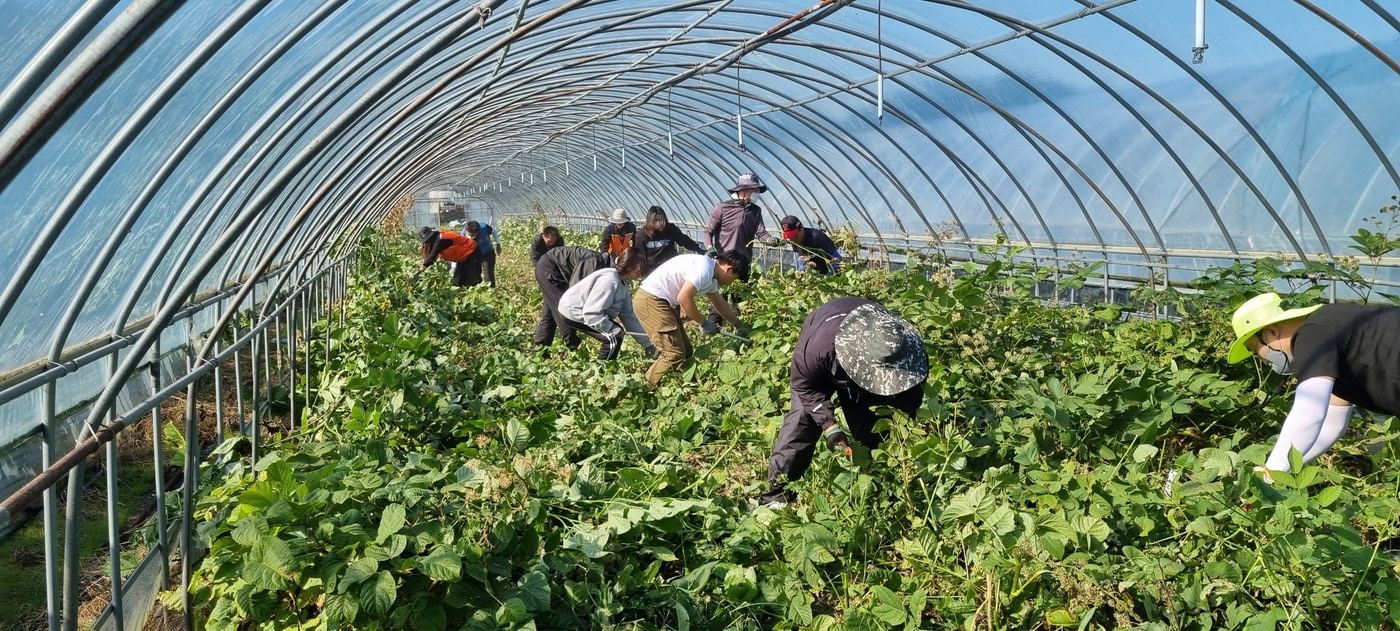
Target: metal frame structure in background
[274,343]
[162,161]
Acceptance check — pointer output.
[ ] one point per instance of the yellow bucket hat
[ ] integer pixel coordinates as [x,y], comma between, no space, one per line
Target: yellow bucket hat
[1255,314]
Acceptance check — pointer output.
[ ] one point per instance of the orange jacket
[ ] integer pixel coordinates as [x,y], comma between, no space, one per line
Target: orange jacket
[462,247]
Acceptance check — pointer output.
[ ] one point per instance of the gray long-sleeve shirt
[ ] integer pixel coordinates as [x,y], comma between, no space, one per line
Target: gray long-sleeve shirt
[734,226]
[597,299]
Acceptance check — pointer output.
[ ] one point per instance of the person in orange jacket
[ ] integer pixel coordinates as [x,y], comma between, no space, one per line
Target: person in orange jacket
[448,246]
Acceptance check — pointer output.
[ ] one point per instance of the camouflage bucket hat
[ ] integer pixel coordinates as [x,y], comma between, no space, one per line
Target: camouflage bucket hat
[881,352]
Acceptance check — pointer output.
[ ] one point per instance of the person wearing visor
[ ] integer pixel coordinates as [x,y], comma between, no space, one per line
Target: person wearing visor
[448,246]
[1342,355]
[814,248]
[670,292]
[871,357]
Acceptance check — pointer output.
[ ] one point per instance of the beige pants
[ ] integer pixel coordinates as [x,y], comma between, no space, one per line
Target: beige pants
[662,323]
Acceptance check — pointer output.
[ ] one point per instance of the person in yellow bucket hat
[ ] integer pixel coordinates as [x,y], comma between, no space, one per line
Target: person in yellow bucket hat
[1342,355]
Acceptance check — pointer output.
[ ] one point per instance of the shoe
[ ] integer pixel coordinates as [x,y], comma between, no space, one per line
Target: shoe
[774,504]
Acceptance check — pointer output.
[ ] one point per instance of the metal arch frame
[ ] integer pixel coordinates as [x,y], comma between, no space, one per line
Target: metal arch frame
[238,152]
[22,87]
[1249,129]
[107,397]
[103,161]
[1326,87]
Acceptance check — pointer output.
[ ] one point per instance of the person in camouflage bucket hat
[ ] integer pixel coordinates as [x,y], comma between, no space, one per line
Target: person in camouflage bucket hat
[871,357]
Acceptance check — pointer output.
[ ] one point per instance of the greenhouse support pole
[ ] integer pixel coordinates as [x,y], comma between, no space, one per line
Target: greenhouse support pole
[114,527]
[72,542]
[158,457]
[242,425]
[50,448]
[191,472]
[307,304]
[218,399]
[291,347]
[255,427]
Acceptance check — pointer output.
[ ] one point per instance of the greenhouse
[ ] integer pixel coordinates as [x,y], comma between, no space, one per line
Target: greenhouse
[238,390]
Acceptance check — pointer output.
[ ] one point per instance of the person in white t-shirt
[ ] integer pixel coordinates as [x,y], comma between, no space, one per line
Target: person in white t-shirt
[670,292]
[600,306]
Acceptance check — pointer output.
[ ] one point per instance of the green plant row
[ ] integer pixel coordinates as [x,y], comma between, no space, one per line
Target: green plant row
[1071,467]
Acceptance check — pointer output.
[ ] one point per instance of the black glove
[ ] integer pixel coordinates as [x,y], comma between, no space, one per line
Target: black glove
[709,327]
[743,330]
[712,252]
[772,243]
[651,353]
[836,439]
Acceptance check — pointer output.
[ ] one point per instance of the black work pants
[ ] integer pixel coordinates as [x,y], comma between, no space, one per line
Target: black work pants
[799,435]
[552,284]
[462,273]
[612,345]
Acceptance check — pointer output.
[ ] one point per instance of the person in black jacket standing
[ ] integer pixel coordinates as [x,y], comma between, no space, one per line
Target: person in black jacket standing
[871,357]
[555,272]
[658,239]
[546,240]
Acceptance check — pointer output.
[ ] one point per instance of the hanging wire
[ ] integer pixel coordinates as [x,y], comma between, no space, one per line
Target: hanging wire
[670,141]
[1198,53]
[739,106]
[880,62]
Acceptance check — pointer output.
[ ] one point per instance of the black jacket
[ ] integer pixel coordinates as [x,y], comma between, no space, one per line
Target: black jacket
[539,247]
[658,248]
[571,263]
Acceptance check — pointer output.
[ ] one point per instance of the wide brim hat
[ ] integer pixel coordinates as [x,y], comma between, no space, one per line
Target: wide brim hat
[748,181]
[1256,314]
[620,216]
[882,353]
[426,233]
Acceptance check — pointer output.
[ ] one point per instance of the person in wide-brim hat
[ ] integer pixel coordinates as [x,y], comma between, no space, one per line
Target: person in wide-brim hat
[1342,355]
[855,347]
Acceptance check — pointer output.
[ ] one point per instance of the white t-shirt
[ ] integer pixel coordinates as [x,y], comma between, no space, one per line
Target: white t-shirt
[666,281]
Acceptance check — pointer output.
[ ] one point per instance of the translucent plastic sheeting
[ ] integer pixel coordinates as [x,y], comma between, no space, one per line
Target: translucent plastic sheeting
[230,143]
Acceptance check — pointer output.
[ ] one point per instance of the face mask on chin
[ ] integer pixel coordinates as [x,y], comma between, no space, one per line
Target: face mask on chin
[1280,361]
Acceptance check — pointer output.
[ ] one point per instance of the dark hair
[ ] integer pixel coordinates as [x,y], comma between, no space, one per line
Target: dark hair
[550,231]
[473,226]
[629,261]
[738,260]
[652,214]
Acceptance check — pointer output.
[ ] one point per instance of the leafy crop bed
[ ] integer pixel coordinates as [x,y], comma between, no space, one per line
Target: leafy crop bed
[452,478]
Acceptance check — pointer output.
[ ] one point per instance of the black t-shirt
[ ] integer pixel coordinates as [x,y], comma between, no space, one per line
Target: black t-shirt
[1358,346]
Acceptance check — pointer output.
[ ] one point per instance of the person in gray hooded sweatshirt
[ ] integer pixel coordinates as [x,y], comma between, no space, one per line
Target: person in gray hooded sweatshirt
[600,306]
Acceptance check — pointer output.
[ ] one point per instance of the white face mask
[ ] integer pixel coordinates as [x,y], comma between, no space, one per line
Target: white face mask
[658,224]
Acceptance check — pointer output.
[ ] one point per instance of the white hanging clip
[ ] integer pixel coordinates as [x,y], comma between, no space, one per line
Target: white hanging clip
[1198,53]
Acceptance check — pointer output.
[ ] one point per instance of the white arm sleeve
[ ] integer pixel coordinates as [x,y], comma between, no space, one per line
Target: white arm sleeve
[1305,424]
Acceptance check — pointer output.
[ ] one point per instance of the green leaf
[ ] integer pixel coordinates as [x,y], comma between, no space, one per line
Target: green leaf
[269,564]
[1329,495]
[377,594]
[1061,618]
[516,434]
[391,522]
[442,564]
[534,591]
[341,610]
[1144,453]
[889,607]
[741,584]
[588,540]
[512,611]
[358,570]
